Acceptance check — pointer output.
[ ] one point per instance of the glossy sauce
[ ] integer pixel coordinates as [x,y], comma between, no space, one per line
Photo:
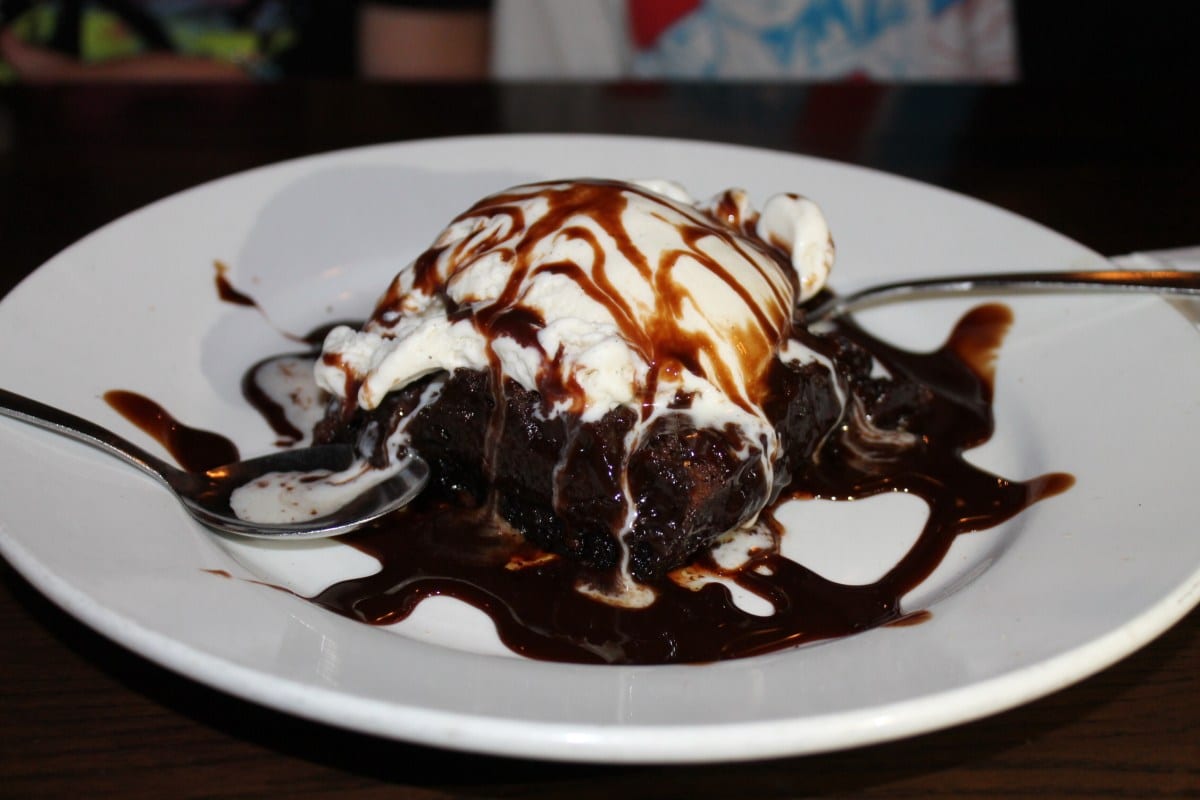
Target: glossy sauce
[432,550]
[436,549]
[271,408]
[226,290]
[194,449]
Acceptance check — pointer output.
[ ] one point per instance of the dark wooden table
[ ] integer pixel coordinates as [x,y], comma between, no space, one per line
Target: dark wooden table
[81,716]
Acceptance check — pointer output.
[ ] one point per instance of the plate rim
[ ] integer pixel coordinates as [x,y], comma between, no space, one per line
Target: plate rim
[594,742]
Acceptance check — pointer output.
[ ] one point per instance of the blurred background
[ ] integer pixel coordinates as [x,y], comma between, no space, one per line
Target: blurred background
[863,40]
[106,105]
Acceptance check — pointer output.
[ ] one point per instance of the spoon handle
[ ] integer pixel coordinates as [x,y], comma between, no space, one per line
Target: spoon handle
[61,422]
[1163,281]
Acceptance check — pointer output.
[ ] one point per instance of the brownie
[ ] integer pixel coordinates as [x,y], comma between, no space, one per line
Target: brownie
[558,480]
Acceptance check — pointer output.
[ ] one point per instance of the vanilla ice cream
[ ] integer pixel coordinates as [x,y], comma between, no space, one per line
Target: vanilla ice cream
[597,294]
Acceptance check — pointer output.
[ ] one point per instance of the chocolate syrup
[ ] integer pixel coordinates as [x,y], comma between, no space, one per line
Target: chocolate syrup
[225,289]
[885,442]
[228,293]
[269,407]
[438,549]
[195,450]
[660,338]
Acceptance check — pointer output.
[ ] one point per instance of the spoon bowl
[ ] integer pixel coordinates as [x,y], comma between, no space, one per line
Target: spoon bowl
[206,495]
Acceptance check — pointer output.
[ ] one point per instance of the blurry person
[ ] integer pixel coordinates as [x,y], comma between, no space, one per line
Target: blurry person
[434,39]
[509,39]
[199,40]
[755,39]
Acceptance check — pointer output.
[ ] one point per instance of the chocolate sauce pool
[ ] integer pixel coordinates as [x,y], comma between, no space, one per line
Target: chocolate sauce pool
[435,549]
[192,448]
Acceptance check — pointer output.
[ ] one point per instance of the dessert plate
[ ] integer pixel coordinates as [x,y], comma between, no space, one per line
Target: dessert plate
[1063,590]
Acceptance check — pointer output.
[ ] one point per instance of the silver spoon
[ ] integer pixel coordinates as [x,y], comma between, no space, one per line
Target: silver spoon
[205,495]
[1162,281]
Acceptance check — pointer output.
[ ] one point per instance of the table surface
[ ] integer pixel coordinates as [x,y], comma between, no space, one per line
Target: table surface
[81,715]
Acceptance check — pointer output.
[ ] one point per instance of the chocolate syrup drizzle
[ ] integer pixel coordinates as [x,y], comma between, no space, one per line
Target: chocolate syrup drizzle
[226,290]
[659,338]
[192,448]
[436,548]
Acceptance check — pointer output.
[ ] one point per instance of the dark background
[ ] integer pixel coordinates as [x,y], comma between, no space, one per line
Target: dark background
[1103,42]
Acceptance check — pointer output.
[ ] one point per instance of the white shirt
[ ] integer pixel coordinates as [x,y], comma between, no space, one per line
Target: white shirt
[898,40]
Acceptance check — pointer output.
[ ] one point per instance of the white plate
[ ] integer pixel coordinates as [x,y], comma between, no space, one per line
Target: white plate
[1107,388]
